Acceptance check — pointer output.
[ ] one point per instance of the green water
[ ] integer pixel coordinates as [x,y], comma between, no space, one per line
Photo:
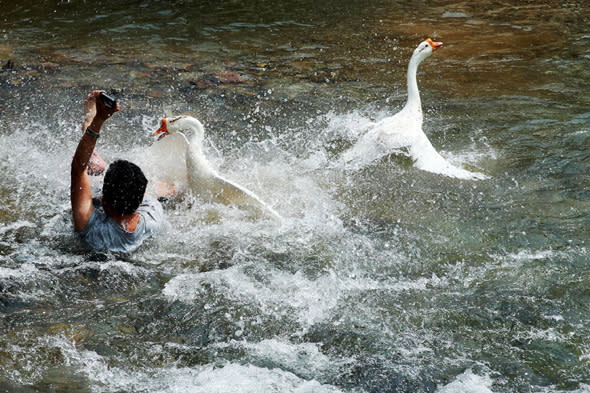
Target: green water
[384,278]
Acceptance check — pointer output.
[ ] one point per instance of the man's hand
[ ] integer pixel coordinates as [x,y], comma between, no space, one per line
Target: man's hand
[102,112]
[95,112]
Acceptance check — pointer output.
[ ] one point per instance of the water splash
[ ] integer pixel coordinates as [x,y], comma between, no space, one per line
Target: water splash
[468,382]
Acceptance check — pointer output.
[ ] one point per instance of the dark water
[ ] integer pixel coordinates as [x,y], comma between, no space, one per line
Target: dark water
[380,279]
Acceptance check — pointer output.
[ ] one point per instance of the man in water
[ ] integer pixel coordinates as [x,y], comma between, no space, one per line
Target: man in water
[128,216]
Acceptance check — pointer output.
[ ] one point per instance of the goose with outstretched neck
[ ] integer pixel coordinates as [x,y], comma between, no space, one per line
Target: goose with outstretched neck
[402,132]
[181,155]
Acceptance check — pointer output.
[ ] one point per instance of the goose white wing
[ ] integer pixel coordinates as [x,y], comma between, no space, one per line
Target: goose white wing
[212,187]
[218,189]
[385,137]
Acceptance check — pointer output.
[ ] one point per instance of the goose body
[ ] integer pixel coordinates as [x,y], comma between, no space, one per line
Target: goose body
[402,132]
[181,161]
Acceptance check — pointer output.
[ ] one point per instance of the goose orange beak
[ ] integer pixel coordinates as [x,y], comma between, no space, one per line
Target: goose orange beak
[435,45]
[163,129]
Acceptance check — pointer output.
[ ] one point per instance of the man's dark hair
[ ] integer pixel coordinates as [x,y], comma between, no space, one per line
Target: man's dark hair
[123,187]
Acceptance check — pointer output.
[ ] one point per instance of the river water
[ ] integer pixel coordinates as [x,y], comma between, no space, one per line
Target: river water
[382,278]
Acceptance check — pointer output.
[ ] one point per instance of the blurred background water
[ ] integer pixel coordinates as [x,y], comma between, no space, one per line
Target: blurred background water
[380,279]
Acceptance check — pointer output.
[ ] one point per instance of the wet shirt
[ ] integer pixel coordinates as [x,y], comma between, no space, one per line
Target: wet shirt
[103,233]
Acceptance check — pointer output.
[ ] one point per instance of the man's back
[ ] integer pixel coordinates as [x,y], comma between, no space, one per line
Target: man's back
[103,233]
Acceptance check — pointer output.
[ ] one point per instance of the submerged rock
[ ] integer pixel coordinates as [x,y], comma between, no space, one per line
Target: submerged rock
[9,65]
[75,333]
[48,66]
[218,78]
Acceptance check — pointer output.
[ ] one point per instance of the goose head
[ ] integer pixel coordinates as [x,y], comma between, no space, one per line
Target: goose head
[170,125]
[425,49]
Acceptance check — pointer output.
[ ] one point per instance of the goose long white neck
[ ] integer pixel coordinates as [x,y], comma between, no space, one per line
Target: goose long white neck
[197,131]
[413,102]
[196,159]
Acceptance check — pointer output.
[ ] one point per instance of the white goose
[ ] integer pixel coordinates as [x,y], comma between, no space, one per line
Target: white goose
[404,130]
[180,159]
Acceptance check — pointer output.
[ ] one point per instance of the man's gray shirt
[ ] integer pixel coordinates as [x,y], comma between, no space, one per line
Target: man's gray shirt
[103,233]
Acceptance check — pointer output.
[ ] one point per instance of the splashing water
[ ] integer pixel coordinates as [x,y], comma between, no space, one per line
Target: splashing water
[382,277]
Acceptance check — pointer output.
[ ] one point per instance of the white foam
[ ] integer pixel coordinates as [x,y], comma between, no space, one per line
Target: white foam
[27,277]
[211,378]
[528,255]
[230,378]
[123,267]
[26,270]
[304,359]
[468,382]
[16,225]
[311,299]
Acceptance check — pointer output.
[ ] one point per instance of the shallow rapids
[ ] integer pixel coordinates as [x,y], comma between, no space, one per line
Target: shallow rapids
[381,277]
